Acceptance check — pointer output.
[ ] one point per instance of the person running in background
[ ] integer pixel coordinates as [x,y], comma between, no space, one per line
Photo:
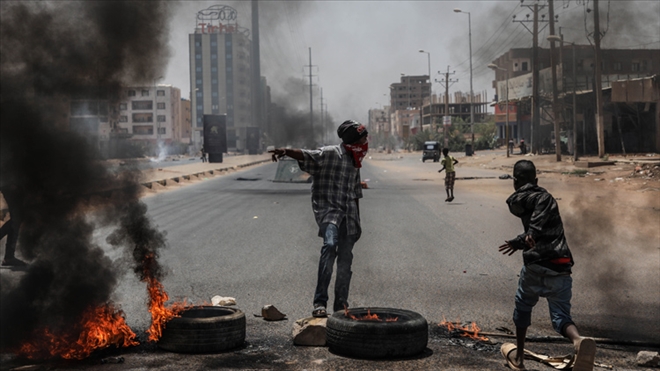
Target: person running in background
[448,163]
[546,271]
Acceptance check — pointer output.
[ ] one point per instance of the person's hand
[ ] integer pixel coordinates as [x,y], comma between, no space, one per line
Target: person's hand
[440,171]
[530,241]
[507,249]
[278,153]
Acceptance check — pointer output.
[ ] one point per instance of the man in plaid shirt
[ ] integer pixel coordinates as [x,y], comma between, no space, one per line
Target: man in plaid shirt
[336,190]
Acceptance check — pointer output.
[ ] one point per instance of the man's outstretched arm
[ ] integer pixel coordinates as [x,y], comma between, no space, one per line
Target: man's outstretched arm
[295,154]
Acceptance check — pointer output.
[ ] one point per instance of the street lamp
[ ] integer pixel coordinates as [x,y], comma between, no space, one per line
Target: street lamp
[575,156]
[430,94]
[493,66]
[457,10]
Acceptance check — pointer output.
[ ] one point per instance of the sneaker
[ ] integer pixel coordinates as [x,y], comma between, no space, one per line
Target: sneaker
[13,262]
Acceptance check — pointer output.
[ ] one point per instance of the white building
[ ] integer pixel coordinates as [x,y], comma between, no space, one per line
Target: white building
[151,113]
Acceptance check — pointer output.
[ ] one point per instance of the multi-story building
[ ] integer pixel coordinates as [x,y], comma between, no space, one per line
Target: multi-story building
[404,121]
[184,130]
[410,92]
[151,113]
[220,74]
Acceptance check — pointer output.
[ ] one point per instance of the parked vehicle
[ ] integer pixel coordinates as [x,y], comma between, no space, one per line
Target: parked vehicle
[431,151]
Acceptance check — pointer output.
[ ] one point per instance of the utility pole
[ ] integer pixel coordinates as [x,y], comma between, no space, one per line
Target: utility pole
[600,130]
[311,103]
[536,111]
[322,119]
[553,66]
[446,82]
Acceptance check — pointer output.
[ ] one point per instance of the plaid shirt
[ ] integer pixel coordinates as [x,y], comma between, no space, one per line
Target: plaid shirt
[335,188]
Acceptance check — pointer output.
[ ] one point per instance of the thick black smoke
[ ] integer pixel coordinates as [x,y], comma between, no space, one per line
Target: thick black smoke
[51,52]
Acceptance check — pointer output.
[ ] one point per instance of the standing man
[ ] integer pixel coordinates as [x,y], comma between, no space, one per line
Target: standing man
[335,193]
[14,198]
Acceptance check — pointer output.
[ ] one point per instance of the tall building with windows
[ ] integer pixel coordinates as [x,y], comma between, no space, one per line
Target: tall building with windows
[151,113]
[220,74]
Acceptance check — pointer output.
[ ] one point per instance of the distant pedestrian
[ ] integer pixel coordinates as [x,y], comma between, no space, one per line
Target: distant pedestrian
[547,268]
[448,163]
[510,148]
[336,192]
[203,157]
[523,147]
[15,202]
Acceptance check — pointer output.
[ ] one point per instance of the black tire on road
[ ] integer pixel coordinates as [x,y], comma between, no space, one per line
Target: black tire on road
[406,337]
[205,329]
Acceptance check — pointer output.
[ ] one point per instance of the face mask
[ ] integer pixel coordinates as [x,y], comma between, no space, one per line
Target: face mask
[359,151]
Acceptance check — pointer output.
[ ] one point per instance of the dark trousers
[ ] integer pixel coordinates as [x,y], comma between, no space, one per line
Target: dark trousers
[11,227]
[336,244]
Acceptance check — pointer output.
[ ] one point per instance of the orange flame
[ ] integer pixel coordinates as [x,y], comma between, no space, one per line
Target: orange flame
[471,331]
[368,316]
[159,313]
[99,328]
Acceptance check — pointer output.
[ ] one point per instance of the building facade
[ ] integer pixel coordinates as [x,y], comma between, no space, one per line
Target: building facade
[410,92]
[151,113]
[220,74]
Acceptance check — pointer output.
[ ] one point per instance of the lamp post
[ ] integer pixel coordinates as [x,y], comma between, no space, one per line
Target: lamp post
[506,128]
[457,10]
[430,94]
[575,156]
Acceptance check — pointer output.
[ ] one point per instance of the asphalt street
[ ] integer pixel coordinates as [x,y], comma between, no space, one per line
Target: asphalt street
[244,236]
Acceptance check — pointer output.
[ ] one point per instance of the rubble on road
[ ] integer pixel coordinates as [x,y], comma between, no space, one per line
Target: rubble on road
[310,331]
[648,359]
[222,301]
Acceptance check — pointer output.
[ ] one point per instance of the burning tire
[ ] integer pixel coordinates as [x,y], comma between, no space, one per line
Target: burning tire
[407,336]
[204,330]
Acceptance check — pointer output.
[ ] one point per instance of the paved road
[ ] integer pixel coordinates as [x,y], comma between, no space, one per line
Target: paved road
[255,240]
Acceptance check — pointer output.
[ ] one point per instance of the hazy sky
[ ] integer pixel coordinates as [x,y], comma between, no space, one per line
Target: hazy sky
[361,47]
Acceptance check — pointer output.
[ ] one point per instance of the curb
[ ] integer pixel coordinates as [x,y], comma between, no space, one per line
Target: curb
[179,178]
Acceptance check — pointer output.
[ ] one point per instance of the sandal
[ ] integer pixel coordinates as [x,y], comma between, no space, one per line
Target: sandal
[585,352]
[319,311]
[507,351]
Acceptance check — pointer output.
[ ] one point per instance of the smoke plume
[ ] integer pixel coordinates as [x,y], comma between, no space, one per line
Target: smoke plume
[52,52]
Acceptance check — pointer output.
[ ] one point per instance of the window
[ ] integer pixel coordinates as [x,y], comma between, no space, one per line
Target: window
[143,130]
[142,105]
[215,93]
[198,56]
[123,106]
[635,66]
[160,93]
[199,94]
[228,68]
[162,130]
[228,56]
[645,65]
[524,66]
[228,43]
[161,118]
[214,43]
[198,69]
[198,43]
[123,118]
[199,81]
[580,64]
[616,66]
[214,56]
[145,93]
[161,105]
[214,69]
[214,81]
[143,117]
[131,93]
[200,107]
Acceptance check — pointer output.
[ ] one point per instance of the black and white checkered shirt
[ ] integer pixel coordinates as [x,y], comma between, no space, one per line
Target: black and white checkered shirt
[335,187]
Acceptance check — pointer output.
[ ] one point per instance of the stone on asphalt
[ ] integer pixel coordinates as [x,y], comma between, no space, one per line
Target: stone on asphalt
[309,331]
[270,313]
[222,301]
[648,359]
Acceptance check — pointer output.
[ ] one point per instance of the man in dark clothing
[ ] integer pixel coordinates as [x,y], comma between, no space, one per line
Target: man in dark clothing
[14,199]
[547,268]
[336,189]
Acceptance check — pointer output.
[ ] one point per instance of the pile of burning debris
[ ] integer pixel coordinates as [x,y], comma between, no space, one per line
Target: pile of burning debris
[467,335]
